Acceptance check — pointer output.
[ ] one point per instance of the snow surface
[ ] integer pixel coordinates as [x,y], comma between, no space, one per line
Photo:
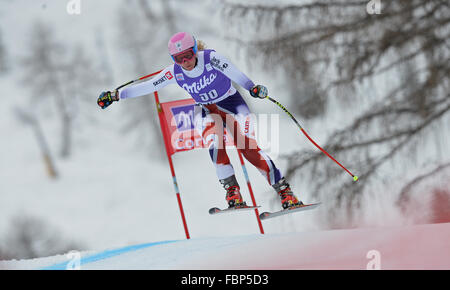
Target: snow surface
[409,247]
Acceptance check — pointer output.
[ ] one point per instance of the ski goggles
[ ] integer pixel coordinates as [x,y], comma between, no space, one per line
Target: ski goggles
[187,54]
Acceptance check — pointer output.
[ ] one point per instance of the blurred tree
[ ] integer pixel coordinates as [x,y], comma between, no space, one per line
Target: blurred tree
[103,56]
[145,46]
[333,48]
[142,48]
[30,237]
[411,195]
[27,117]
[58,73]
[3,257]
[4,65]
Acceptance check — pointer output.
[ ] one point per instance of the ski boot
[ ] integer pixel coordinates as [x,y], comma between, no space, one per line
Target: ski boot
[233,196]
[288,199]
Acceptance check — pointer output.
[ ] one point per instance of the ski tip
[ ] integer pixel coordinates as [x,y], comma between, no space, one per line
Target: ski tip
[264,215]
[214,210]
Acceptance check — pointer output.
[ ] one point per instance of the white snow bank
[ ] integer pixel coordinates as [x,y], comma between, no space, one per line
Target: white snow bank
[410,247]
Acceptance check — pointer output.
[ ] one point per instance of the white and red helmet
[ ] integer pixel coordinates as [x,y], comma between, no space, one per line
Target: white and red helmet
[181,41]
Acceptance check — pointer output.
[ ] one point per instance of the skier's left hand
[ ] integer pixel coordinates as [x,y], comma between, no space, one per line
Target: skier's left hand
[259,91]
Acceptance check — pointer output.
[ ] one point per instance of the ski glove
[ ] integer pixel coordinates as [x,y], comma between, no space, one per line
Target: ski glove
[259,91]
[107,98]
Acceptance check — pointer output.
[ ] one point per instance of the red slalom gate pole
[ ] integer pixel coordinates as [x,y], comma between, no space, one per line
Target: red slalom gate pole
[172,170]
[261,229]
[169,156]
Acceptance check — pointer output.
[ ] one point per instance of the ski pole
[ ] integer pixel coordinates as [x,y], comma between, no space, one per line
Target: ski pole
[136,80]
[355,178]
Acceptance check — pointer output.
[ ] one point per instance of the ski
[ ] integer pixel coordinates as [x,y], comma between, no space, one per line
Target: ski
[216,210]
[268,215]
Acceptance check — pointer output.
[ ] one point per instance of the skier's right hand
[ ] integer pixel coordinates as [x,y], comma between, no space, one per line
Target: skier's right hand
[107,98]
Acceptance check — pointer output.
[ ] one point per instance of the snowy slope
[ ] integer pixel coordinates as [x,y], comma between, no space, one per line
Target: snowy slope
[410,247]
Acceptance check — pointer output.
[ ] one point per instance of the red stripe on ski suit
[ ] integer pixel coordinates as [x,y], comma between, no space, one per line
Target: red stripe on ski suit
[250,150]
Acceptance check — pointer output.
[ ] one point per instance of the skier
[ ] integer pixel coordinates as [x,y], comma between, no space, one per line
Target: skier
[206,75]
